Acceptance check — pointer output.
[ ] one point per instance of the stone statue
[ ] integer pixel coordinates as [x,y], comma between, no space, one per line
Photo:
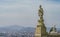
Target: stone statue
[40,13]
[53,29]
[40,29]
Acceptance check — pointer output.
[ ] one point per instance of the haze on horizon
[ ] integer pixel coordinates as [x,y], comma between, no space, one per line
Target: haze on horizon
[25,12]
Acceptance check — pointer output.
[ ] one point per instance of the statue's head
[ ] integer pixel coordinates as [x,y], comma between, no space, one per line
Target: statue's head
[40,6]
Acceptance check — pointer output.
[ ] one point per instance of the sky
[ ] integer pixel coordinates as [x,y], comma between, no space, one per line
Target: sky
[25,12]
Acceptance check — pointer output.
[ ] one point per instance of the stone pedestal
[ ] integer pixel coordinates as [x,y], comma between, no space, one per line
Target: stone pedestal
[40,31]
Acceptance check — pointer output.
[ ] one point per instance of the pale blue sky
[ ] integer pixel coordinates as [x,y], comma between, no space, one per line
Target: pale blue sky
[25,12]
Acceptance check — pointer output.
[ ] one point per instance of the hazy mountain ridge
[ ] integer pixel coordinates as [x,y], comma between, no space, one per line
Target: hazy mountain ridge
[16,28]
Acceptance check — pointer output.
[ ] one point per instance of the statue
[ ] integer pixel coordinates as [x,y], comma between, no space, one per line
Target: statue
[40,13]
[40,29]
[53,29]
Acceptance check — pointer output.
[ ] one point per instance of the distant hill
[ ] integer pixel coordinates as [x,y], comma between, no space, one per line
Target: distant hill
[16,28]
[11,28]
